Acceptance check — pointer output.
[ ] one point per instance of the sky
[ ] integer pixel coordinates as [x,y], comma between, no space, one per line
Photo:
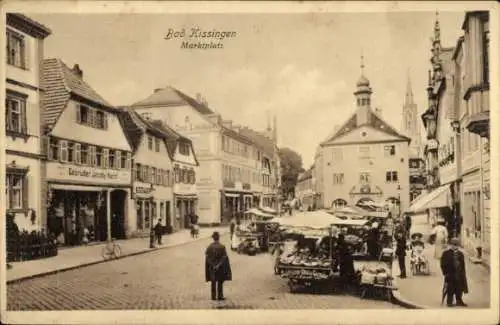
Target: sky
[302,67]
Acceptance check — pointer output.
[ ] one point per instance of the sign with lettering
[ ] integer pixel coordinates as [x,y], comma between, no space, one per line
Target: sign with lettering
[68,172]
[184,188]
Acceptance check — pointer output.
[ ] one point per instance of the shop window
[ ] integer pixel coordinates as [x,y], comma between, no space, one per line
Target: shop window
[150,142]
[15,113]
[54,149]
[147,214]
[16,190]
[16,50]
[84,154]
[157,145]
[140,216]
[64,150]
[167,210]
[162,210]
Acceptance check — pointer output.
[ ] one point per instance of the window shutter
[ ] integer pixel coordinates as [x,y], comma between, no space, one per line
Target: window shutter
[127,162]
[91,117]
[92,155]
[63,150]
[25,52]
[105,120]
[118,159]
[24,120]
[25,192]
[105,158]
[78,117]
[77,152]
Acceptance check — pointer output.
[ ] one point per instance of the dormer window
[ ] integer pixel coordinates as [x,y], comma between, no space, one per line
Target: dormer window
[91,117]
[184,149]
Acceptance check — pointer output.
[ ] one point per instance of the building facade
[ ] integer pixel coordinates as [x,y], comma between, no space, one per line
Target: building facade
[164,174]
[305,191]
[367,144]
[473,127]
[88,169]
[237,169]
[24,121]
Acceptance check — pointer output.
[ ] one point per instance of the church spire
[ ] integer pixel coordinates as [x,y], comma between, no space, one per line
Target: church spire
[409,90]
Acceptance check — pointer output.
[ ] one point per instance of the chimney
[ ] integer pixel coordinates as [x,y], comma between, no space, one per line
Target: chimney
[199,99]
[157,90]
[378,111]
[77,71]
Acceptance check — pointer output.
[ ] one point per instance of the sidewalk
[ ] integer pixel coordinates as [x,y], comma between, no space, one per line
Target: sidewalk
[70,258]
[424,291]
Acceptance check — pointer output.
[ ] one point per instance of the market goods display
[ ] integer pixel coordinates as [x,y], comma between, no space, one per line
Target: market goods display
[303,258]
[374,275]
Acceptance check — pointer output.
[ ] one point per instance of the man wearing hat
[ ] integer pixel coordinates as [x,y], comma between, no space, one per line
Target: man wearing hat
[455,278]
[217,267]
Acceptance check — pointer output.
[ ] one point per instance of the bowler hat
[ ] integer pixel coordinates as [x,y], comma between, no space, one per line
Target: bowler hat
[216,235]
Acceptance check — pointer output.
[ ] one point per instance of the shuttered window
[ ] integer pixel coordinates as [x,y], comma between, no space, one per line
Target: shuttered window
[15,112]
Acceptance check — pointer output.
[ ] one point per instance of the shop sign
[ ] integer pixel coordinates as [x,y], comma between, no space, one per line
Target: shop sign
[143,190]
[184,189]
[87,174]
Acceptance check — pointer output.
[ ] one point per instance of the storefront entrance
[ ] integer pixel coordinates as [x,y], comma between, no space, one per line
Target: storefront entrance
[118,198]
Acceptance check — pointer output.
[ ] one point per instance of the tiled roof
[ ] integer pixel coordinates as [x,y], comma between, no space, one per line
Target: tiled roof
[264,143]
[60,82]
[170,96]
[375,122]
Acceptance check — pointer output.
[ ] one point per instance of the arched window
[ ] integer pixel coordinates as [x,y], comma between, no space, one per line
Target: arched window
[339,203]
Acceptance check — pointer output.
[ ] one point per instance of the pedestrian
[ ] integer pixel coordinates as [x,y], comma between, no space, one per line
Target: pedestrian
[407,225]
[455,277]
[401,254]
[158,229]
[232,226]
[346,262]
[440,234]
[217,267]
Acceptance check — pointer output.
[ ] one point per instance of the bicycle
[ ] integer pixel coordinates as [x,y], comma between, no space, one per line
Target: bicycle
[111,250]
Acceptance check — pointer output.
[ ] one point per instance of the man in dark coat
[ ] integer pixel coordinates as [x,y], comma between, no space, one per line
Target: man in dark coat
[158,230]
[401,253]
[346,262]
[407,225]
[455,278]
[217,267]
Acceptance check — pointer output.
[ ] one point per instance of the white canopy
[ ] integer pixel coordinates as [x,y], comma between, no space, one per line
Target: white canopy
[438,198]
[268,210]
[350,222]
[311,219]
[259,213]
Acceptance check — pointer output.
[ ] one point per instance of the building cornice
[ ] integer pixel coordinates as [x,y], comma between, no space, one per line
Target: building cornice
[27,25]
[475,88]
[23,85]
[362,142]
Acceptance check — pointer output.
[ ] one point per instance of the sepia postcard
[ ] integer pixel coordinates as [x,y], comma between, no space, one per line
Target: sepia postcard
[249,162]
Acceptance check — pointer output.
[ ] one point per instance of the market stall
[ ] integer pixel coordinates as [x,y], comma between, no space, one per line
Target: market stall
[372,254]
[305,257]
[253,237]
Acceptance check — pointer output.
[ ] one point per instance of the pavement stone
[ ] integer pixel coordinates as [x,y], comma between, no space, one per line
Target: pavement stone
[69,258]
[172,279]
[424,291]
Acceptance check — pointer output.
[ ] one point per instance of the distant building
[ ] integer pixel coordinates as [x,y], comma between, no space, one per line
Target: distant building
[24,122]
[365,158]
[305,190]
[164,167]
[411,127]
[239,168]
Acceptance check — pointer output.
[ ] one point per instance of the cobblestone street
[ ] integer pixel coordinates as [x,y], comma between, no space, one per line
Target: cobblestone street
[172,278]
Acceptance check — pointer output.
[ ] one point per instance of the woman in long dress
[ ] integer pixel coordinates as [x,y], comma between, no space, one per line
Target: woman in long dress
[441,234]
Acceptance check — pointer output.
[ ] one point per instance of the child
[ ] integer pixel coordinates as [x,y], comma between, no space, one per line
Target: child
[417,250]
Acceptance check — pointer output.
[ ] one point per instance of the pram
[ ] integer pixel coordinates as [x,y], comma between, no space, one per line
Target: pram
[418,261]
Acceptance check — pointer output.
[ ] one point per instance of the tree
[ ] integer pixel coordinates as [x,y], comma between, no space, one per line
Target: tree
[291,167]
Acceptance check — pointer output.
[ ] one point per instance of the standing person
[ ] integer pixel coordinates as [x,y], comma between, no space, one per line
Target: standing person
[158,229]
[217,267]
[407,225]
[193,218]
[346,262]
[401,254]
[232,226]
[455,278]
[12,232]
[440,234]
